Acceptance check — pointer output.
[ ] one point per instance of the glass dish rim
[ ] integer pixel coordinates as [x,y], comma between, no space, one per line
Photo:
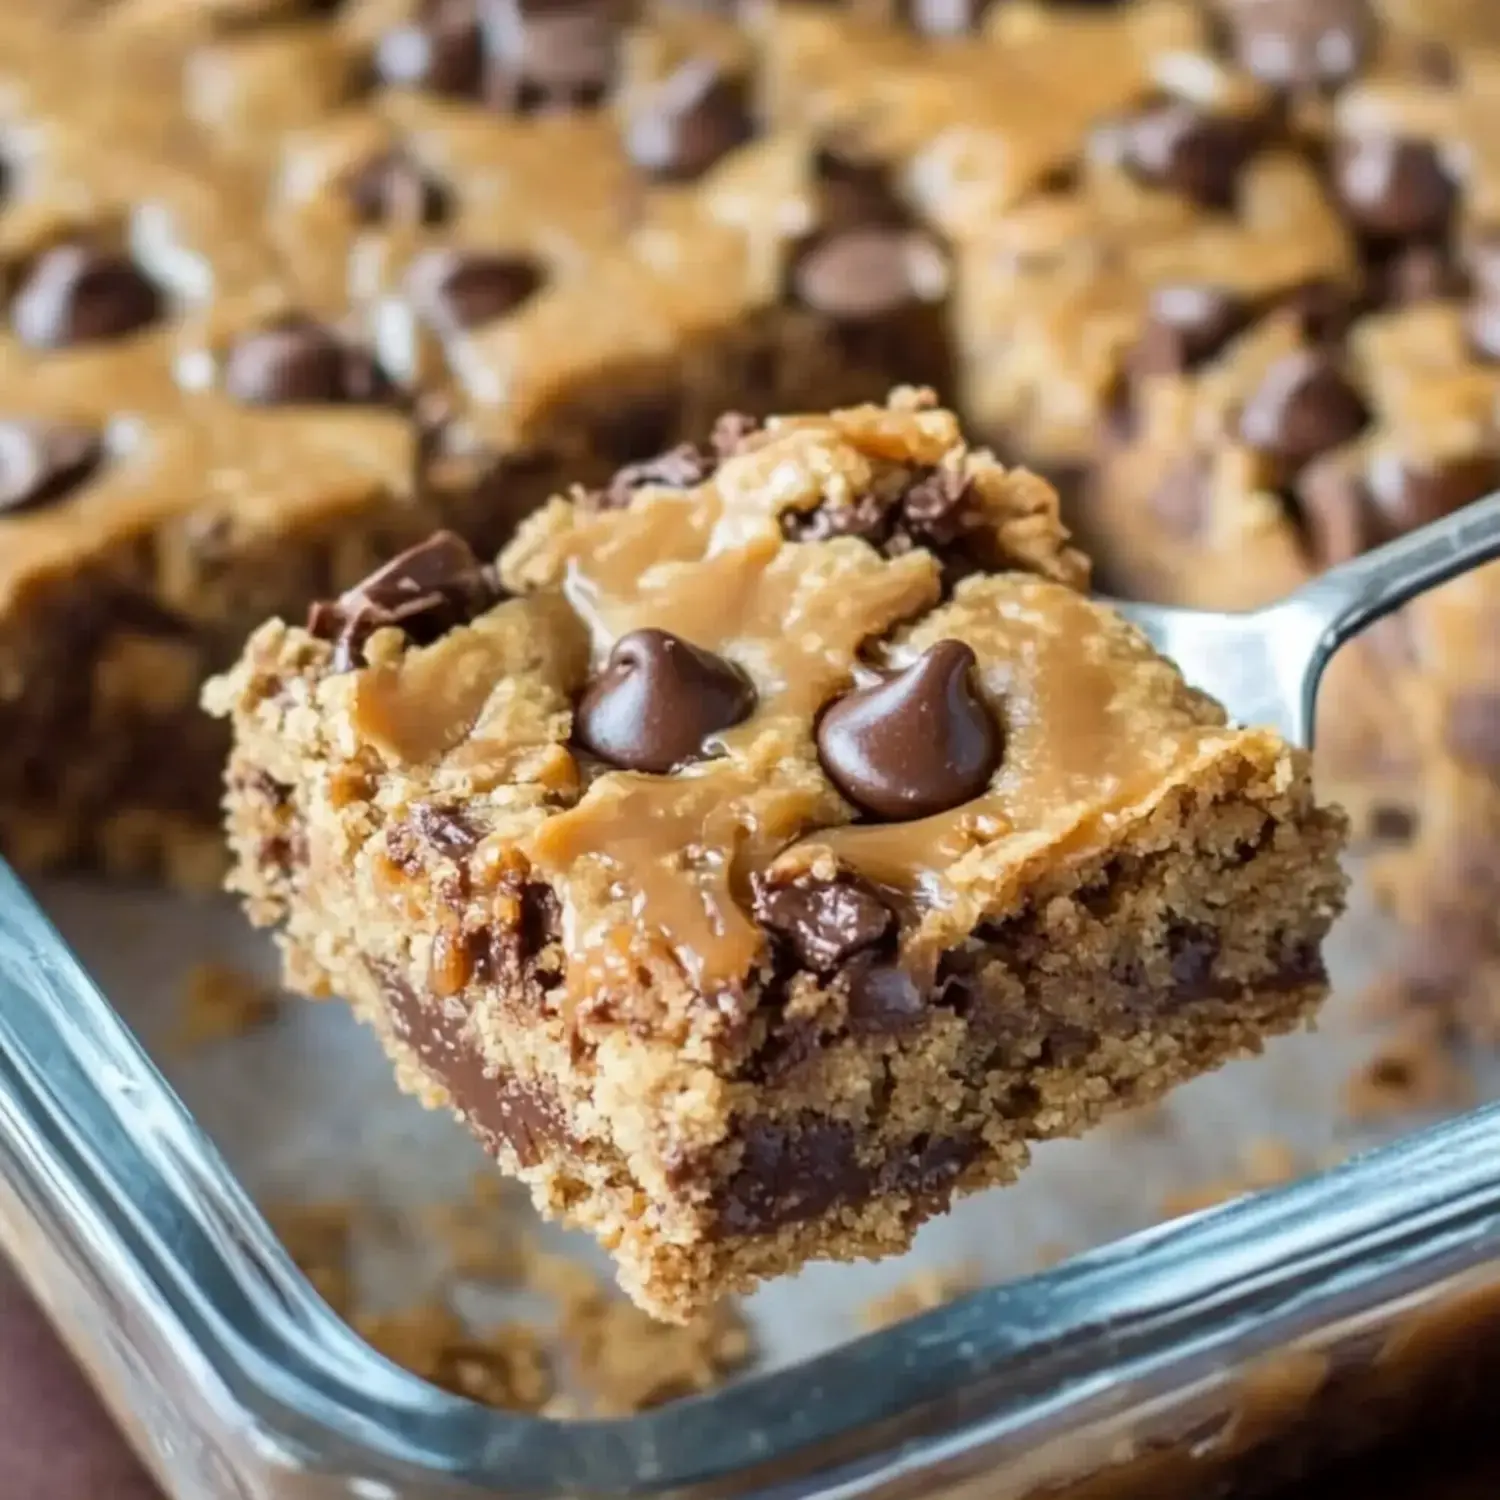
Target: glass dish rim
[99,1136]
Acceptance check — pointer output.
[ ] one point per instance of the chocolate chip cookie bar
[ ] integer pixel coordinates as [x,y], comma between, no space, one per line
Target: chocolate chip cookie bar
[773,845]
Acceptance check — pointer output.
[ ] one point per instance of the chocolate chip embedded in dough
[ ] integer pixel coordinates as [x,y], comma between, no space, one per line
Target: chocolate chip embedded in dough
[393,188]
[882,997]
[1304,406]
[81,294]
[689,122]
[1395,189]
[855,188]
[1180,146]
[42,461]
[1408,491]
[441,51]
[863,275]
[1186,324]
[298,362]
[679,468]
[1337,512]
[461,289]
[1300,45]
[656,701]
[426,591]
[824,922]
[551,54]
[934,506]
[919,743]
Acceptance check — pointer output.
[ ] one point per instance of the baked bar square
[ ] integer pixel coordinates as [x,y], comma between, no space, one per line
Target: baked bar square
[774,845]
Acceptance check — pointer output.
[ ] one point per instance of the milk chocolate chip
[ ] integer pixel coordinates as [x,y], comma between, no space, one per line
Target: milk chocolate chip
[297,362]
[1179,146]
[460,289]
[1395,189]
[551,54]
[441,51]
[80,294]
[657,699]
[918,743]
[1186,324]
[393,188]
[1407,491]
[864,275]
[1303,407]
[696,116]
[41,461]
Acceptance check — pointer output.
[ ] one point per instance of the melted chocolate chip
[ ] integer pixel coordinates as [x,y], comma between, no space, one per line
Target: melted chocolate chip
[42,461]
[461,289]
[1299,45]
[1179,146]
[882,997]
[854,186]
[1407,492]
[1304,406]
[696,117]
[824,923]
[79,294]
[441,51]
[1187,324]
[551,54]
[865,275]
[657,700]
[392,188]
[298,362]
[427,591]
[918,743]
[1395,189]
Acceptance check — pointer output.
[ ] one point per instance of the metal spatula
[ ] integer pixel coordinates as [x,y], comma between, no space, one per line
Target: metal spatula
[1264,665]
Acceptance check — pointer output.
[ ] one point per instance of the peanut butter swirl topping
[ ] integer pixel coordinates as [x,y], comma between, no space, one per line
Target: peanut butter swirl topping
[660,681]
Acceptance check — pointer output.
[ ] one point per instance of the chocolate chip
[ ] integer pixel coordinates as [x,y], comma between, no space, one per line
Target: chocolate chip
[854,186]
[1298,45]
[448,829]
[679,468]
[945,18]
[1324,310]
[1303,406]
[824,923]
[1337,512]
[1408,491]
[551,54]
[864,275]
[916,744]
[866,516]
[696,116]
[657,700]
[42,461]
[392,188]
[1472,730]
[79,294]
[1179,146]
[1186,324]
[441,51]
[297,362]
[1415,273]
[461,289]
[1395,189]
[882,997]
[427,591]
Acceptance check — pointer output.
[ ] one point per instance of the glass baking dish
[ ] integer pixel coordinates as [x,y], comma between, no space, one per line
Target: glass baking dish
[1215,1354]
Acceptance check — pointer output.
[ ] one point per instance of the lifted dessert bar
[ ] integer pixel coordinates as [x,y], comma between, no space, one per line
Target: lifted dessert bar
[775,845]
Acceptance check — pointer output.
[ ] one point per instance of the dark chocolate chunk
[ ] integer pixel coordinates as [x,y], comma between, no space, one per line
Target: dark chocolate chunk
[460,289]
[1187,324]
[1395,189]
[1304,406]
[427,591]
[824,922]
[1194,951]
[1337,512]
[42,461]
[679,468]
[657,699]
[865,275]
[866,516]
[1407,492]
[1180,146]
[441,51]
[854,186]
[393,188]
[918,743]
[882,996]
[297,362]
[945,18]
[551,54]
[1472,730]
[1300,45]
[689,122]
[934,507]
[80,294]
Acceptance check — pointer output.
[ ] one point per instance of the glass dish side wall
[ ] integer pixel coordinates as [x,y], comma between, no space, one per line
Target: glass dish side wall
[1192,1350]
